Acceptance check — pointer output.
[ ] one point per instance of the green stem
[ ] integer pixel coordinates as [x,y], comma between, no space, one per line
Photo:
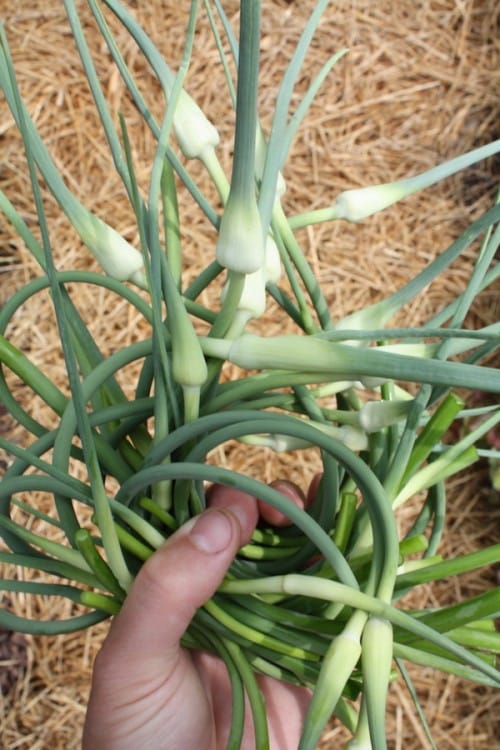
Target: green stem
[85,545]
[19,363]
[463,564]
[432,433]
[294,584]
[338,665]
[243,173]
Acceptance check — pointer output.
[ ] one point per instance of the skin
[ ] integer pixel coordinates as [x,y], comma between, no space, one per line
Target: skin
[148,692]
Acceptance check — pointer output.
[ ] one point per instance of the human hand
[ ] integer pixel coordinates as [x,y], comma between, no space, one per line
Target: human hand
[147,691]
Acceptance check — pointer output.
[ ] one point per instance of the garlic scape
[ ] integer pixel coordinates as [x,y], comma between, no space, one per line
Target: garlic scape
[118,258]
[340,361]
[360,203]
[240,244]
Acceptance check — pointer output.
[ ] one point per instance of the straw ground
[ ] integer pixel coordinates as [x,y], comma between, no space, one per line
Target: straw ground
[420,84]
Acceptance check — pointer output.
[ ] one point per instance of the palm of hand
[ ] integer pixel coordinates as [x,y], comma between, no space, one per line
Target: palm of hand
[188,708]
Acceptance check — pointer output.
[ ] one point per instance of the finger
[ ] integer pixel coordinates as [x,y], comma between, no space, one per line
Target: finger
[313,490]
[173,583]
[283,699]
[289,490]
[221,497]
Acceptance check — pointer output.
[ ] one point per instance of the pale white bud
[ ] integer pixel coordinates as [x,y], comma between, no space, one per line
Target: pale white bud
[116,256]
[240,245]
[351,437]
[193,130]
[375,415]
[253,297]
[272,261]
[356,205]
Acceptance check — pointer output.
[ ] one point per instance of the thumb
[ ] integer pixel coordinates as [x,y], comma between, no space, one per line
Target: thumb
[177,579]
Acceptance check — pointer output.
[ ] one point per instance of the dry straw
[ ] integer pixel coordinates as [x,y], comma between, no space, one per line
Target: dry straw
[420,85]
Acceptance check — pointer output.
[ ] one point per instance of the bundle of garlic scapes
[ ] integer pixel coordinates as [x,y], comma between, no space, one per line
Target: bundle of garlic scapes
[313,603]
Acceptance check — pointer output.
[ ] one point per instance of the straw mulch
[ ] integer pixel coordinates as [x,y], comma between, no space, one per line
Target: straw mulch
[419,85]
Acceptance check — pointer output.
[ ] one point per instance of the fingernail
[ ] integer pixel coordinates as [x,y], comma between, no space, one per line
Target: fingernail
[212,532]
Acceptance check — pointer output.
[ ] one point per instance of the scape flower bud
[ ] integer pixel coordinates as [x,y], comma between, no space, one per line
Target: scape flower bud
[117,257]
[194,132]
[272,261]
[240,245]
[375,415]
[352,437]
[252,302]
[358,204]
